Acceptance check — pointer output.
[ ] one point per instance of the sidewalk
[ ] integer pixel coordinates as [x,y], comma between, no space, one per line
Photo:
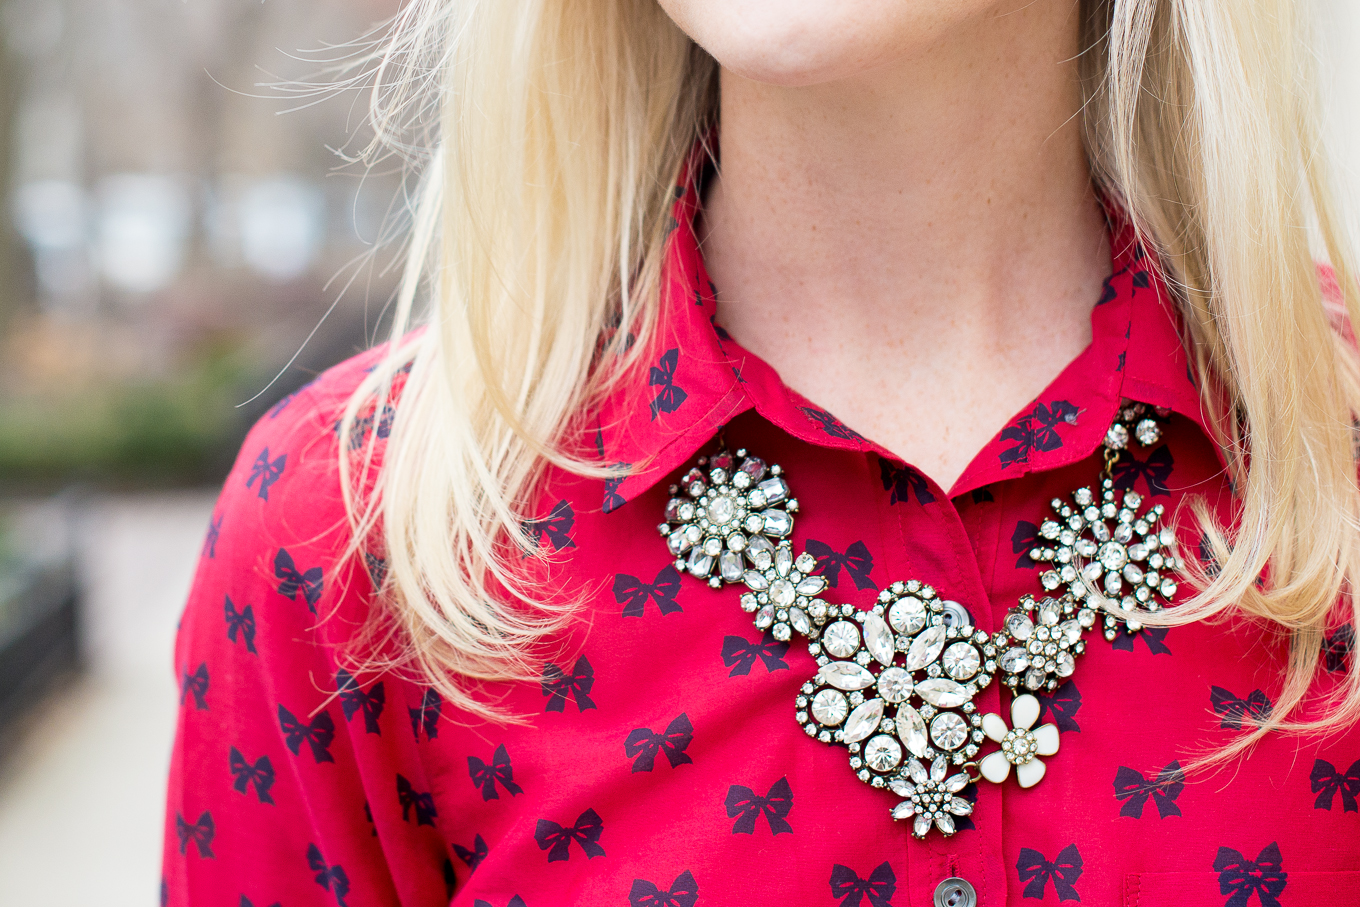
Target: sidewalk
[81,801]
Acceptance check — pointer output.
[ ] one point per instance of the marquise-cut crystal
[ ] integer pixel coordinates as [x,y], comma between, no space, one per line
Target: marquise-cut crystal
[863,721]
[841,639]
[907,616]
[756,581]
[941,693]
[878,639]
[1018,625]
[811,585]
[783,559]
[961,661]
[830,707]
[911,729]
[845,675]
[894,685]
[882,753]
[948,730]
[926,647]
[800,620]
[764,617]
[945,823]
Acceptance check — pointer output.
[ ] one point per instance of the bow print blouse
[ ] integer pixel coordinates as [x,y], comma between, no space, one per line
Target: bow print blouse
[661,764]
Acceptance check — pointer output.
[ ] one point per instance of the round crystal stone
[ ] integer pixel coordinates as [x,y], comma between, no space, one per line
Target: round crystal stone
[961,661]
[949,731]
[907,616]
[1117,438]
[1113,556]
[1147,432]
[1018,625]
[722,509]
[781,592]
[841,639]
[830,707]
[1015,660]
[894,685]
[882,753]
[1065,664]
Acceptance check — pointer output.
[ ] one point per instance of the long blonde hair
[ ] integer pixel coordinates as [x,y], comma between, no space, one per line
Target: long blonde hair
[551,134]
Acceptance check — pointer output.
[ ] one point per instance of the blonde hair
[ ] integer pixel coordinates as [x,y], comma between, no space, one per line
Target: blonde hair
[554,133]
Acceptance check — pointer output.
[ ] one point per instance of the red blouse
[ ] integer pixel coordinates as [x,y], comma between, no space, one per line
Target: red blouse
[662,763]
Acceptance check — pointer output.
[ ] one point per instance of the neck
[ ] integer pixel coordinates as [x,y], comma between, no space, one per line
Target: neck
[944,195]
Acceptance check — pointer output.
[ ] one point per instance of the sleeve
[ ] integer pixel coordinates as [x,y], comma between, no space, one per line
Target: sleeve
[270,781]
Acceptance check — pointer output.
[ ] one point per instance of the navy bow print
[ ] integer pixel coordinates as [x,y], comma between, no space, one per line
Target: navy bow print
[612,499]
[260,774]
[1154,471]
[643,744]
[739,653]
[662,375]
[1239,877]
[210,540]
[878,888]
[1063,704]
[354,699]
[425,717]
[377,569]
[1035,871]
[633,593]
[201,833]
[1337,648]
[1023,540]
[318,734]
[1037,431]
[1328,782]
[857,562]
[475,855]
[292,581]
[1153,637]
[830,424]
[903,482]
[331,878]
[266,472]
[486,776]
[558,685]
[408,798]
[246,902]
[555,528]
[515,901]
[745,805]
[240,623]
[1131,787]
[197,685]
[1236,711]
[684,891]
[556,840]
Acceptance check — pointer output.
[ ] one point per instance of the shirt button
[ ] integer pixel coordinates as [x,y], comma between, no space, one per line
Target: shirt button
[956,615]
[955,893]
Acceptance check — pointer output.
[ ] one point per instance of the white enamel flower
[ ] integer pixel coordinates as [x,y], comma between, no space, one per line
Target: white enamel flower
[930,797]
[1019,745]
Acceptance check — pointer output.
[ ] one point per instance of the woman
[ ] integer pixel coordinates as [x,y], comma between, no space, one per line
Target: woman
[1049,265]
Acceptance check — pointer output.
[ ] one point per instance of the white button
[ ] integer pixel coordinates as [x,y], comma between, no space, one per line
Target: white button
[955,893]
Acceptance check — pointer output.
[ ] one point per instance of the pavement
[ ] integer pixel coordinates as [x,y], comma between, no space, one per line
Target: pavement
[81,799]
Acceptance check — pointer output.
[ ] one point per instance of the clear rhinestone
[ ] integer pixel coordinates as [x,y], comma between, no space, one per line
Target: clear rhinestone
[961,661]
[1147,432]
[679,541]
[764,617]
[1034,678]
[1113,556]
[1166,536]
[755,581]
[1085,547]
[781,593]
[722,509]
[845,675]
[755,523]
[1133,573]
[800,621]
[749,602]
[1100,532]
[699,564]
[920,826]
[907,616]
[1018,625]
[1050,580]
[1082,496]
[1064,664]
[1113,583]
[1123,533]
[949,731]
[730,566]
[1071,631]
[805,563]
[783,559]
[736,542]
[1049,612]
[811,585]
[863,721]
[882,753]
[1117,438]
[841,639]
[1168,588]
[1049,529]
[911,729]
[775,490]
[941,693]
[878,639]
[926,647]
[1015,660]
[778,523]
[894,685]
[760,552]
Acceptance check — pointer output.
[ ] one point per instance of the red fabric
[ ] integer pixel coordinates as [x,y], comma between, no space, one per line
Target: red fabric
[293,784]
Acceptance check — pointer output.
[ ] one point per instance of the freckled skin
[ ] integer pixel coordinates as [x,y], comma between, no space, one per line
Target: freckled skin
[903,223]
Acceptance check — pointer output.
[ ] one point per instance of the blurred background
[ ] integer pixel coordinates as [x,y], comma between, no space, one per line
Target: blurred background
[182,243]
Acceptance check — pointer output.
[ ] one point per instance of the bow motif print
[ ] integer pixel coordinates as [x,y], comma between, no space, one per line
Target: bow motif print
[200,832]
[515,901]
[745,805]
[642,744]
[740,654]
[830,424]
[408,797]
[196,684]
[1154,471]
[266,472]
[1238,877]
[1236,711]
[1023,540]
[612,499]
[318,733]
[558,685]
[878,888]
[260,774]
[485,776]
[556,840]
[1037,431]
[1328,782]
[354,699]
[1154,637]
[331,878]
[1036,871]
[425,717]
[240,623]
[856,561]
[292,581]
[210,540]
[1135,789]
[633,593]
[555,528]
[472,856]
[1337,648]
[684,891]
[662,375]
[1062,704]
[902,482]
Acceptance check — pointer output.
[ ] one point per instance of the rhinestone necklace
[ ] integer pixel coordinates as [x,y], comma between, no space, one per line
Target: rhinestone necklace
[895,683]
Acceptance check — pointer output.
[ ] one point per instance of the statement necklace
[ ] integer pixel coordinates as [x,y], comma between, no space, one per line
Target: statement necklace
[895,683]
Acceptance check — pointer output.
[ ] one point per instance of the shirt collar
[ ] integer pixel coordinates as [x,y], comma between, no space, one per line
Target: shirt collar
[698,378]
